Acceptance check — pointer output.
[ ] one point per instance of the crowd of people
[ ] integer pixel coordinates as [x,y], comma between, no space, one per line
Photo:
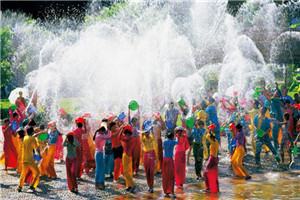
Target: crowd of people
[118,145]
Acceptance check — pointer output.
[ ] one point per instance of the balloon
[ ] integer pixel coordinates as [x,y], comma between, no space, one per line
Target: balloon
[44,136]
[190,122]
[121,116]
[37,157]
[13,107]
[181,101]
[295,150]
[169,124]
[256,94]
[133,105]
[260,133]
[14,125]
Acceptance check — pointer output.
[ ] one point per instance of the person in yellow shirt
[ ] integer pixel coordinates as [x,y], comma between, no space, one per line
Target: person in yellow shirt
[149,154]
[29,144]
[211,171]
[201,115]
[252,113]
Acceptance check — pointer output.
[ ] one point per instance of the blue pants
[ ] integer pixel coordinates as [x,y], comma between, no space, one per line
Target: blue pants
[275,132]
[109,163]
[260,141]
[100,168]
[217,132]
[229,137]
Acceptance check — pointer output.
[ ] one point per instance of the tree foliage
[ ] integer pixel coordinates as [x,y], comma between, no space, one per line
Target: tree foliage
[6,55]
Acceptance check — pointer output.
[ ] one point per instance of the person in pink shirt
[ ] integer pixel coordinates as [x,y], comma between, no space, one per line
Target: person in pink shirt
[99,139]
[180,158]
[78,132]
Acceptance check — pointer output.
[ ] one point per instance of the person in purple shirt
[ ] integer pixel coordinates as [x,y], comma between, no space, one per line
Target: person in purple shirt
[239,153]
[285,96]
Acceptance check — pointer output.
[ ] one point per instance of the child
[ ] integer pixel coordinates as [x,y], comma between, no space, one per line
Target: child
[44,162]
[168,165]
[62,124]
[78,132]
[239,153]
[198,133]
[29,144]
[126,138]
[180,158]
[135,123]
[286,137]
[109,158]
[149,154]
[51,151]
[262,122]
[87,158]
[295,144]
[158,128]
[211,171]
[71,161]
[99,138]
[9,150]
[255,111]
[212,117]
[117,150]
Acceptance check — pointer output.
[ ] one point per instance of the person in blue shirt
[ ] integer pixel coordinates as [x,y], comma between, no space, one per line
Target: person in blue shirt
[168,173]
[261,122]
[277,114]
[198,133]
[171,116]
[53,136]
[285,96]
[238,117]
[109,157]
[212,117]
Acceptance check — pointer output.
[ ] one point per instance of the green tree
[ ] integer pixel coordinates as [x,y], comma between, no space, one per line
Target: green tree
[6,55]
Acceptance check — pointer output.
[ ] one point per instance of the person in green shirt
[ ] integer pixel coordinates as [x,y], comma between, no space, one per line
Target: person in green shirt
[71,161]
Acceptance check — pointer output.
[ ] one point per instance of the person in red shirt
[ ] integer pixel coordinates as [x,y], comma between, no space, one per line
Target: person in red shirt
[117,150]
[78,132]
[125,137]
[10,153]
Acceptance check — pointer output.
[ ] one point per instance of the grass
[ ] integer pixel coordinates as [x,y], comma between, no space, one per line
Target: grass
[69,104]
[5,103]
